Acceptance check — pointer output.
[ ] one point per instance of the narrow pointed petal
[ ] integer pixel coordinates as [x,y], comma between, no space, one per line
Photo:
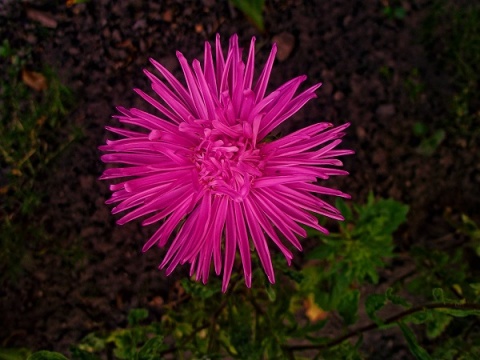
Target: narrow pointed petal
[209,70]
[193,87]
[265,75]
[243,244]
[259,240]
[174,83]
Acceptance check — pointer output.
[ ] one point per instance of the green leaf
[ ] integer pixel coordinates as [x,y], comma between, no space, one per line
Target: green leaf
[344,351]
[438,295]
[370,198]
[240,329]
[437,325]
[383,217]
[310,328]
[270,293]
[459,312]
[46,355]
[348,307]
[152,348]
[476,288]
[470,227]
[135,316]
[5,49]
[419,128]
[342,206]
[14,354]
[428,145]
[395,299]
[200,290]
[325,250]
[92,343]
[79,354]
[399,13]
[373,303]
[419,352]
[457,348]
[125,343]
[419,317]
[253,10]
[355,255]
[295,275]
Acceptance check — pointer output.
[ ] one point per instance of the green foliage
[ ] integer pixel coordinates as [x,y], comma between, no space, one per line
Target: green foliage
[471,229]
[151,349]
[393,10]
[396,12]
[135,316]
[430,143]
[438,269]
[437,325]
[375,302]
[198,290]
[464,111]
[452,37]
[29,117]
[345,351]
[33,107]
[136,342]
[457,28]
[412,343]
[253,10]
[446,278]
[458,348]
[348,307]
[46,355]
[430,140]
[14,354]
[286,320]
[354,255]
[414,85]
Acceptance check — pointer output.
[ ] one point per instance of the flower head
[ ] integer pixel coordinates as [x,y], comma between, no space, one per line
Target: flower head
[204,169]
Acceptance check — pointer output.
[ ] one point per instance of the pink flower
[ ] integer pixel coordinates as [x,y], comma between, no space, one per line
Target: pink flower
[205,169]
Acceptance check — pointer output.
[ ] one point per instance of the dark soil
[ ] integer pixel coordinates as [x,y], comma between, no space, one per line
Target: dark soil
[97,271]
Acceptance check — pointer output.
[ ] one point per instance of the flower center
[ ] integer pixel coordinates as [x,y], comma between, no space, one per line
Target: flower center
[227,162]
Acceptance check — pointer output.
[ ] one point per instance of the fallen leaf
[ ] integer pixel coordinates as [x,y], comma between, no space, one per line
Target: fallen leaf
[43,18]
[41,120]
[198,28]
[157,301]
[313,311]
[119,301]
[35,80]
[126,44]
[167,16]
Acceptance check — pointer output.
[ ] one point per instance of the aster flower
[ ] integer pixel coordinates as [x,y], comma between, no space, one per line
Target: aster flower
[204,169]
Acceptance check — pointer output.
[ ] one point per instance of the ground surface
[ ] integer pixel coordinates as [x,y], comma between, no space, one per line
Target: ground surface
[363,58]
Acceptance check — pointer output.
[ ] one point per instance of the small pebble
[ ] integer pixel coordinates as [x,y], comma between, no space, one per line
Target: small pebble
[385,110]
[167,16]
[327,88]
[338,96]
[198,28]
[285,44]
[361,133]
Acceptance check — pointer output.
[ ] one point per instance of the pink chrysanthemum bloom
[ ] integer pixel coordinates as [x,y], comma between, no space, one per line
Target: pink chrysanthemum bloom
[205,169]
